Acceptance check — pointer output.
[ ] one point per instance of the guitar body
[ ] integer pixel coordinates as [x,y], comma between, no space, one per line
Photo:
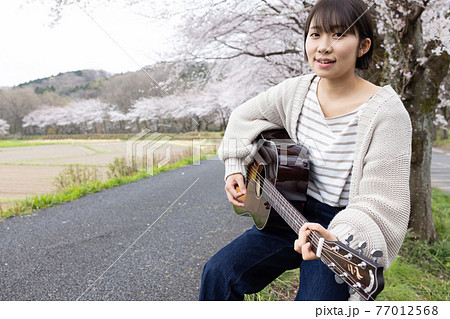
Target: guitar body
[284,164]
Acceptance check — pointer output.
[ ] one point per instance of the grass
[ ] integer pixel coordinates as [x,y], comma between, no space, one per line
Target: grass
[282,288]
[77,181]
[123,137]
[20,143]
[444,143]
[419,273]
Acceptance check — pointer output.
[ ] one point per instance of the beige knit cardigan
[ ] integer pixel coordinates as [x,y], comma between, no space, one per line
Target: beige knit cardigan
[379,200]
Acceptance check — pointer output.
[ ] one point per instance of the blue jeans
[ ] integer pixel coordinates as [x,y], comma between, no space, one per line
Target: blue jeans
[257,257]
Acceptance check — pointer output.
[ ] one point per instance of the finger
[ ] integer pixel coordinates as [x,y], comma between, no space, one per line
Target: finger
[322,231]
[232,198]
[297,246]
[241,184]
[301,241]
[304,227]
[306,249]
[234,181]
[230,187]
[314,226]
[303,235]
[301,248]
[307,253]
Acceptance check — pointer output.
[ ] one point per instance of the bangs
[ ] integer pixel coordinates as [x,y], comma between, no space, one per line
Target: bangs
[332,17]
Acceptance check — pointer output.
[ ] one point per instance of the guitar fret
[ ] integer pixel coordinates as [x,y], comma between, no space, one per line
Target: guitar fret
[285,209]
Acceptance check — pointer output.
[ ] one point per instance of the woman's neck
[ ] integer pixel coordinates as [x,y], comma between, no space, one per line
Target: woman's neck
[339,88]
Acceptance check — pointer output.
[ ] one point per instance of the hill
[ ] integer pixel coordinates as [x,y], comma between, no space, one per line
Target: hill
[85,84]
[75,84]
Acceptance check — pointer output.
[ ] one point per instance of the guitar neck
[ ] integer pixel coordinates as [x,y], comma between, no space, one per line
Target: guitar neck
[283,207]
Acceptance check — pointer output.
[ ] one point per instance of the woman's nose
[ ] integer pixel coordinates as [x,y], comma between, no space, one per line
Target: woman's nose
[325,45]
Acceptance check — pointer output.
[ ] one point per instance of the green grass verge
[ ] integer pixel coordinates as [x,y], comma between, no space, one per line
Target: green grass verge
[421,270]
[282,288]
[444,143]
[20,143]
[30,204]
[419,273]
[124,137]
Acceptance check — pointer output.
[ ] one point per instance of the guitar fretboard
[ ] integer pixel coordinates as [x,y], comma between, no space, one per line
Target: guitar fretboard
[283,207]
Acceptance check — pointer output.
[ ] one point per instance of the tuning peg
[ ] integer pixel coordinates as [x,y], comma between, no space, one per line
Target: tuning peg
[363,265]
[361,246]
[376,253]
[353,288]
[357,286]
[348,238]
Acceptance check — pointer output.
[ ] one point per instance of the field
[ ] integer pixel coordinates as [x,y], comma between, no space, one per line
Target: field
[29,168]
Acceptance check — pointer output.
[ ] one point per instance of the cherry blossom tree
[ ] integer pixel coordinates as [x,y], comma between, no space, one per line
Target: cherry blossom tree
[118,119]
[416,45]
[442,120]
[81,116]
[4,127]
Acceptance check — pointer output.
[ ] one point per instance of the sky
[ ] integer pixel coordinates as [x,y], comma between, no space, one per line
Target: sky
[113,38]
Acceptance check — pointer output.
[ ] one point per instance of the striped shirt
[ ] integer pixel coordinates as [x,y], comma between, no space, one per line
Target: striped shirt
[331,142]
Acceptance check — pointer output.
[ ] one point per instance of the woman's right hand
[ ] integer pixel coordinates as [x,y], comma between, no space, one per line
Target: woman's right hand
[232,182]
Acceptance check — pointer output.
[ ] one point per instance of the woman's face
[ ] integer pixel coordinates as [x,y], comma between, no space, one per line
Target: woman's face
[332,55]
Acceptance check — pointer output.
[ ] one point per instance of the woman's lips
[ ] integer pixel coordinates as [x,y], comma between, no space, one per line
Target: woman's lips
[324,63]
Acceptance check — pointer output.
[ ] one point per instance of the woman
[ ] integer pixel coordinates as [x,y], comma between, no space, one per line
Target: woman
[359,136]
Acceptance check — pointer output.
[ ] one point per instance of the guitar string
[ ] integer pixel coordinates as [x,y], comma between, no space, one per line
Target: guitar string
[283,201]
[325,257]
[289,206]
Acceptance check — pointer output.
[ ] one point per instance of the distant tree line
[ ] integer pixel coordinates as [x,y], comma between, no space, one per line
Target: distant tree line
[167,97]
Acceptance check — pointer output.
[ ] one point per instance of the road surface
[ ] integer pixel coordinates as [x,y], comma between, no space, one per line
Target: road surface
[440,169]
[146,240]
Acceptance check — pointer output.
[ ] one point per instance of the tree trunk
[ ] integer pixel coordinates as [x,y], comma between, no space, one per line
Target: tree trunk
[421,101]
[421,220]
[444,133]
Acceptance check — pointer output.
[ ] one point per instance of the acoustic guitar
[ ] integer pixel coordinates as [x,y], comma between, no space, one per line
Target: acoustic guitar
[278,178]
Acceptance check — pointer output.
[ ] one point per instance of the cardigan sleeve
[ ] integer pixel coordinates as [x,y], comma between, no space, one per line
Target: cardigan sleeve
[379,208]
[264,112]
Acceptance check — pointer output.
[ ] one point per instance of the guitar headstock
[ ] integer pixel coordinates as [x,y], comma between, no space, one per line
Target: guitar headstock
[363,275]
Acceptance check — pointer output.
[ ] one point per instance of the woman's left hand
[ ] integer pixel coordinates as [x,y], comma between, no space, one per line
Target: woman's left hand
[303,247]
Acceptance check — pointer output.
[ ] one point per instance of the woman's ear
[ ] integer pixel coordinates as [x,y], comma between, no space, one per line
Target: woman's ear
[364,47]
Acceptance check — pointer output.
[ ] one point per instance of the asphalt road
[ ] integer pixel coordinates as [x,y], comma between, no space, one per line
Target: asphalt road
[146,240]
[440,169]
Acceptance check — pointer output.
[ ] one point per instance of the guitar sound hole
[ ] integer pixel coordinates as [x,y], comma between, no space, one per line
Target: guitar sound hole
[259,182]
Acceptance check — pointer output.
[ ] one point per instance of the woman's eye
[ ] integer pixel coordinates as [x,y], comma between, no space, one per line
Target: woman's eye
[339,35]
[314,35]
